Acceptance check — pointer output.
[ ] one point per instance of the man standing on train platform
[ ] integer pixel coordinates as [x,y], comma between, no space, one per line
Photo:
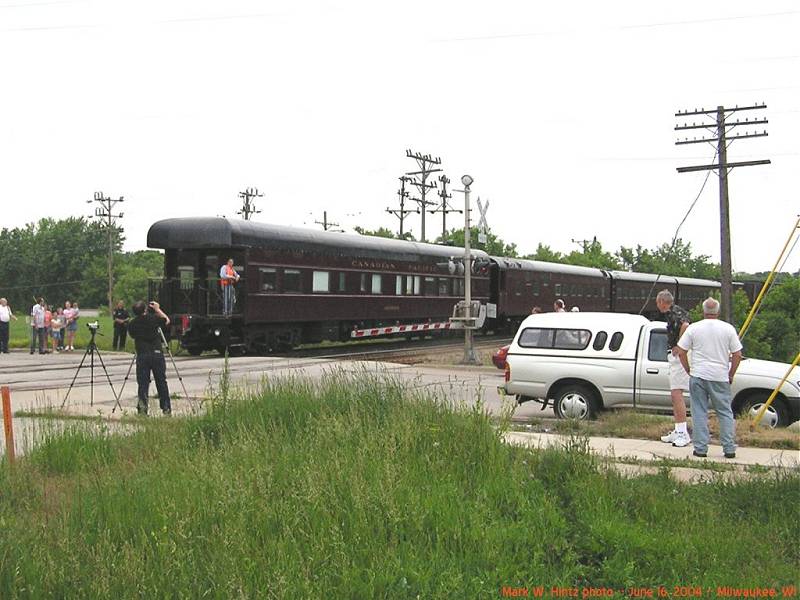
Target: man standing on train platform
[5,324]
[677,322]
[228,277]
[716,354]
[38,327]
[121,318]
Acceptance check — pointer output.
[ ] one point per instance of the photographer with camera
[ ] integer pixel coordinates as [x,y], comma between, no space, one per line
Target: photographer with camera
[144,329]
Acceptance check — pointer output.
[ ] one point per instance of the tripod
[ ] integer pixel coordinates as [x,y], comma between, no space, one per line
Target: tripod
[91,350]
[164,344]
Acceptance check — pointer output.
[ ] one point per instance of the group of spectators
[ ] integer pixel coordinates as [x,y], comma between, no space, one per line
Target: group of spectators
[53,327]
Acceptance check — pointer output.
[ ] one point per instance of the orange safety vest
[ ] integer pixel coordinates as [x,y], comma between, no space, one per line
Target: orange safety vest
[230,273]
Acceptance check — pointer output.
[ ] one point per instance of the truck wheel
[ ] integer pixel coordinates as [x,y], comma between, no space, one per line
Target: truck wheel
[575,401]
[775,416]
[195,350]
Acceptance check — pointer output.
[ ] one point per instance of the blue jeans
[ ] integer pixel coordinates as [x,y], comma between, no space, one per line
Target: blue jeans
[145,363]
[718,395]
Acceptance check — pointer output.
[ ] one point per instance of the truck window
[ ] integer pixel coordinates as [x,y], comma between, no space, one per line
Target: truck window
[657,350]
[534,337]
[616,341]
[600,340]
[572,339]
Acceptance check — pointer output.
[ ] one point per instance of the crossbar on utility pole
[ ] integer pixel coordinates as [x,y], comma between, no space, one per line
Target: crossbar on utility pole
[105,213]
[403,211]
[248,206]
[722,140]
[420,179]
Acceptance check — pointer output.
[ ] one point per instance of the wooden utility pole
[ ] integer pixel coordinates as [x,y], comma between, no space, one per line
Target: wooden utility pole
[248,207]
[325,223]
[720,128]
[420,179]
[444,207]
[403,211]
[105,213]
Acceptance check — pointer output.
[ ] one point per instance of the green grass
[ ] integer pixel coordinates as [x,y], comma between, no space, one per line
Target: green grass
[20,335]
[353,488]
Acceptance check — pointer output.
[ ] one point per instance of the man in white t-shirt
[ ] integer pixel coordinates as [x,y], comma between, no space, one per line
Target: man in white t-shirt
[716,354]
[5,323]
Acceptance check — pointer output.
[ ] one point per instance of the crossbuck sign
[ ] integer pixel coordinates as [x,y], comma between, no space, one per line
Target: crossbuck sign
[483,226]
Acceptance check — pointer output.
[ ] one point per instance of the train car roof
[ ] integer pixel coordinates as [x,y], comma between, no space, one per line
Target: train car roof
[523,264]
[645,277]
[695,281]
[212,232]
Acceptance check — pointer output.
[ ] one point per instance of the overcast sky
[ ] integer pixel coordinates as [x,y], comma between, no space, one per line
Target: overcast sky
[562,112]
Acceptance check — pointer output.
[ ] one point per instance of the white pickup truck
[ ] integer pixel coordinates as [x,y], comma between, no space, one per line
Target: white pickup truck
[585,362]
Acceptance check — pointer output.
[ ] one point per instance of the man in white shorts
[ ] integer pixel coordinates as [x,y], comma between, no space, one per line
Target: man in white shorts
[677,322]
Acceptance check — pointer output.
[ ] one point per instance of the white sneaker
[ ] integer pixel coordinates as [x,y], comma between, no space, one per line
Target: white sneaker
[681,439]
[670,437]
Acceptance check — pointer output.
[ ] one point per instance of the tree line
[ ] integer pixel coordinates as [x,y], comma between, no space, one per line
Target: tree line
[67,260]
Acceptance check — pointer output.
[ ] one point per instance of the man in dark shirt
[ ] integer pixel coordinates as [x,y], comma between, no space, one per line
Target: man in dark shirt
[144,329]
[677,322]
[120,316]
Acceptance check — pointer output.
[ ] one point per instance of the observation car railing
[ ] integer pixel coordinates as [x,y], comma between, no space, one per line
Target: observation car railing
[199,296]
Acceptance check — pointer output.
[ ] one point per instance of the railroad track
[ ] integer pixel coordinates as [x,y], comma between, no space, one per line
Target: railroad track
[59,375]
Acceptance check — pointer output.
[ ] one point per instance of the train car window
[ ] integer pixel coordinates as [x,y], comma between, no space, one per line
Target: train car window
[444,286]
[321,282]
[376,283]
[398,289]
[186,277]
[616,341]
[430,286]
[417,285]
[267,280]
[364,285]
[536,288]
[602,292]
[292,283]
[409,284]
[657,349]
[557,289]
[342,283]
[600,340]
[459,287]
[535,337]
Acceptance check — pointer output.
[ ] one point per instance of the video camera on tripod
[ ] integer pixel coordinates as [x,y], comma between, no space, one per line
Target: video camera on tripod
[93,326]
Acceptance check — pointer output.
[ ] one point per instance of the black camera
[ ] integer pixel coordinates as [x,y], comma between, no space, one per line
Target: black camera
[93,326]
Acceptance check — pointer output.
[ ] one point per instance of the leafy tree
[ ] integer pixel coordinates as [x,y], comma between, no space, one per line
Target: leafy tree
[774,332]
[494,245]
[673,259]
[383,232]
[52,259]
[546,254]
[593,255]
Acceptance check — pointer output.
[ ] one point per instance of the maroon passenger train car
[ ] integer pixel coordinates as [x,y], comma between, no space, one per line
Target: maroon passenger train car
[517,285]
[297,285]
